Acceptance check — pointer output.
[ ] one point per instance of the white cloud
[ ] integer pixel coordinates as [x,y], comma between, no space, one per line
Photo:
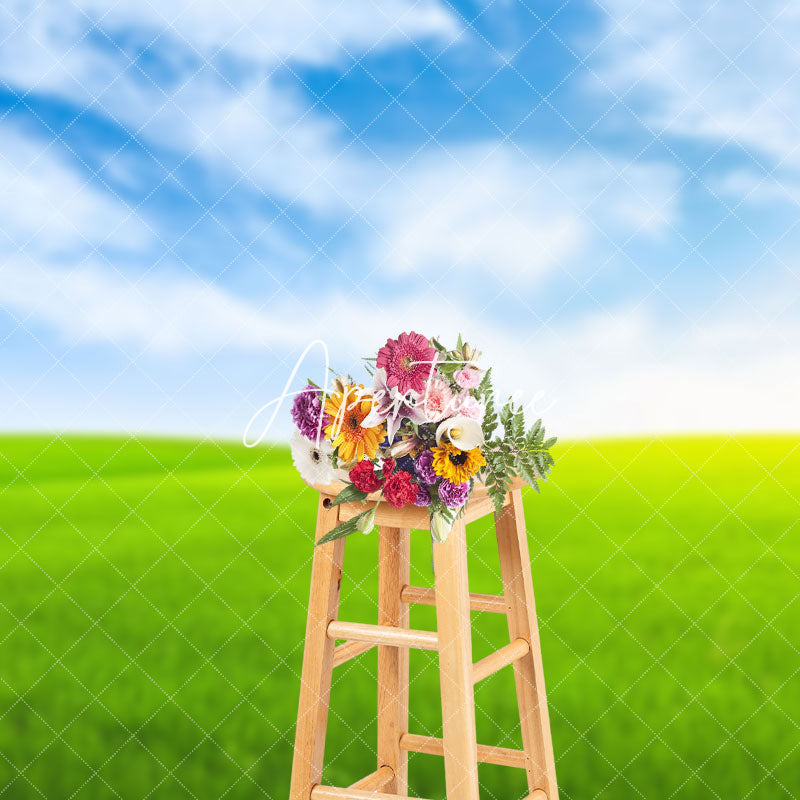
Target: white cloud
[492,207]
[164,315]
[264,134]
[624,372]
[476,205]
[710,71]
[48,210]
[238,120]
[631,373]
[311,31]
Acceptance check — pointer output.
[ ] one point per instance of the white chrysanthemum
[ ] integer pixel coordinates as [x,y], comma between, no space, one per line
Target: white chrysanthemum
[312,462]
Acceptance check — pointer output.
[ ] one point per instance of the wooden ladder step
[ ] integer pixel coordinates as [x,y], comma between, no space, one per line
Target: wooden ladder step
[499,659]
[375,781]
[344,652]
[487,754]
[495,604]
[320,792]
[383,634]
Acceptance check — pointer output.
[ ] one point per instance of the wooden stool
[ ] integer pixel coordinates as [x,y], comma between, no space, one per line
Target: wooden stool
[452,640]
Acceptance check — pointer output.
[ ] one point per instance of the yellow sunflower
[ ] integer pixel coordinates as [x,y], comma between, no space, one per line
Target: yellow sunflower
[346,410]
[457,466]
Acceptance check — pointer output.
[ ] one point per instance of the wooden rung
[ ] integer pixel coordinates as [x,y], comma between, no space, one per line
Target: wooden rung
[499,659]
[383,634]
[538,794]
[493,603]
[320,792]
[375,781]
[344,652]
[487,754]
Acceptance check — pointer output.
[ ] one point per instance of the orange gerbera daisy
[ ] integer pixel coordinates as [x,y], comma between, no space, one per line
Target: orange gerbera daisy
[347,409]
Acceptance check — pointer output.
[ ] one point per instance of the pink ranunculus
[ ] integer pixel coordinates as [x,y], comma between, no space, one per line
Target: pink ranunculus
[467,406]
[437,400]
[467,378]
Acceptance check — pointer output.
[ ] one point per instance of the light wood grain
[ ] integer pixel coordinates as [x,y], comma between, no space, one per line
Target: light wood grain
[315,680]
[455,665]
[515,568]
[394,570]
[481,505]
[413,517]
[392,635]
[499,659]
[425,596]
[478,488]
[333,793]
[383,634]
[344,652]
[376,781]
[487,754]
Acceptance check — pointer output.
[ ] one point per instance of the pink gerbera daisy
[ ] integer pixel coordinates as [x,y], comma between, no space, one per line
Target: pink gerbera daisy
[408,361]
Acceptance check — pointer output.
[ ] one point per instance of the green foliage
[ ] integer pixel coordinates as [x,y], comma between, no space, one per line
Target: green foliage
[344,528]
[485,392]
[450,361]
[348,495]
[519,452]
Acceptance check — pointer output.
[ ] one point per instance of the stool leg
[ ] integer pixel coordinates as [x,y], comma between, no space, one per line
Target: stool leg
[315,682]
[455,665]
[394,572]
[515,567]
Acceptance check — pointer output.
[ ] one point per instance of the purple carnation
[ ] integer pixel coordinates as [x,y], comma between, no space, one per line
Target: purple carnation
[306,411]
[454,495]
[423,466]
[423,496]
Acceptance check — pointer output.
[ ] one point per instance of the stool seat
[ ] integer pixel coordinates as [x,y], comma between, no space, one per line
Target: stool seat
[413,517]
[478,488]
[394,637]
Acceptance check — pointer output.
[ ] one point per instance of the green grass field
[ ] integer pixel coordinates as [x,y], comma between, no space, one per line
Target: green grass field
[152,601]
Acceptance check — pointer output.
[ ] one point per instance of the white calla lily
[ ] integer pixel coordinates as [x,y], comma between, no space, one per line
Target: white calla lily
[463,432]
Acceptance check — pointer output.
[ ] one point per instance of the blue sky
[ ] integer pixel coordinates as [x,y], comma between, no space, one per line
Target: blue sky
[603,197]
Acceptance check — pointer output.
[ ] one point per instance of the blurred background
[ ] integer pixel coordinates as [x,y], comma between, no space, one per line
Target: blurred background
[601,196]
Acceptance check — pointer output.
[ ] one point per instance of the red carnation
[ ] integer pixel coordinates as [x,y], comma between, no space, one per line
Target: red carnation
[364,478]
[388,467]
[399,490]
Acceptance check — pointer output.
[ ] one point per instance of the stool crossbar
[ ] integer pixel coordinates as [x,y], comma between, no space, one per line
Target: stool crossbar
[452,640]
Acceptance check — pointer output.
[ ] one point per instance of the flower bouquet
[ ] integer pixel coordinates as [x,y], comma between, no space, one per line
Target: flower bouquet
[425,432]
